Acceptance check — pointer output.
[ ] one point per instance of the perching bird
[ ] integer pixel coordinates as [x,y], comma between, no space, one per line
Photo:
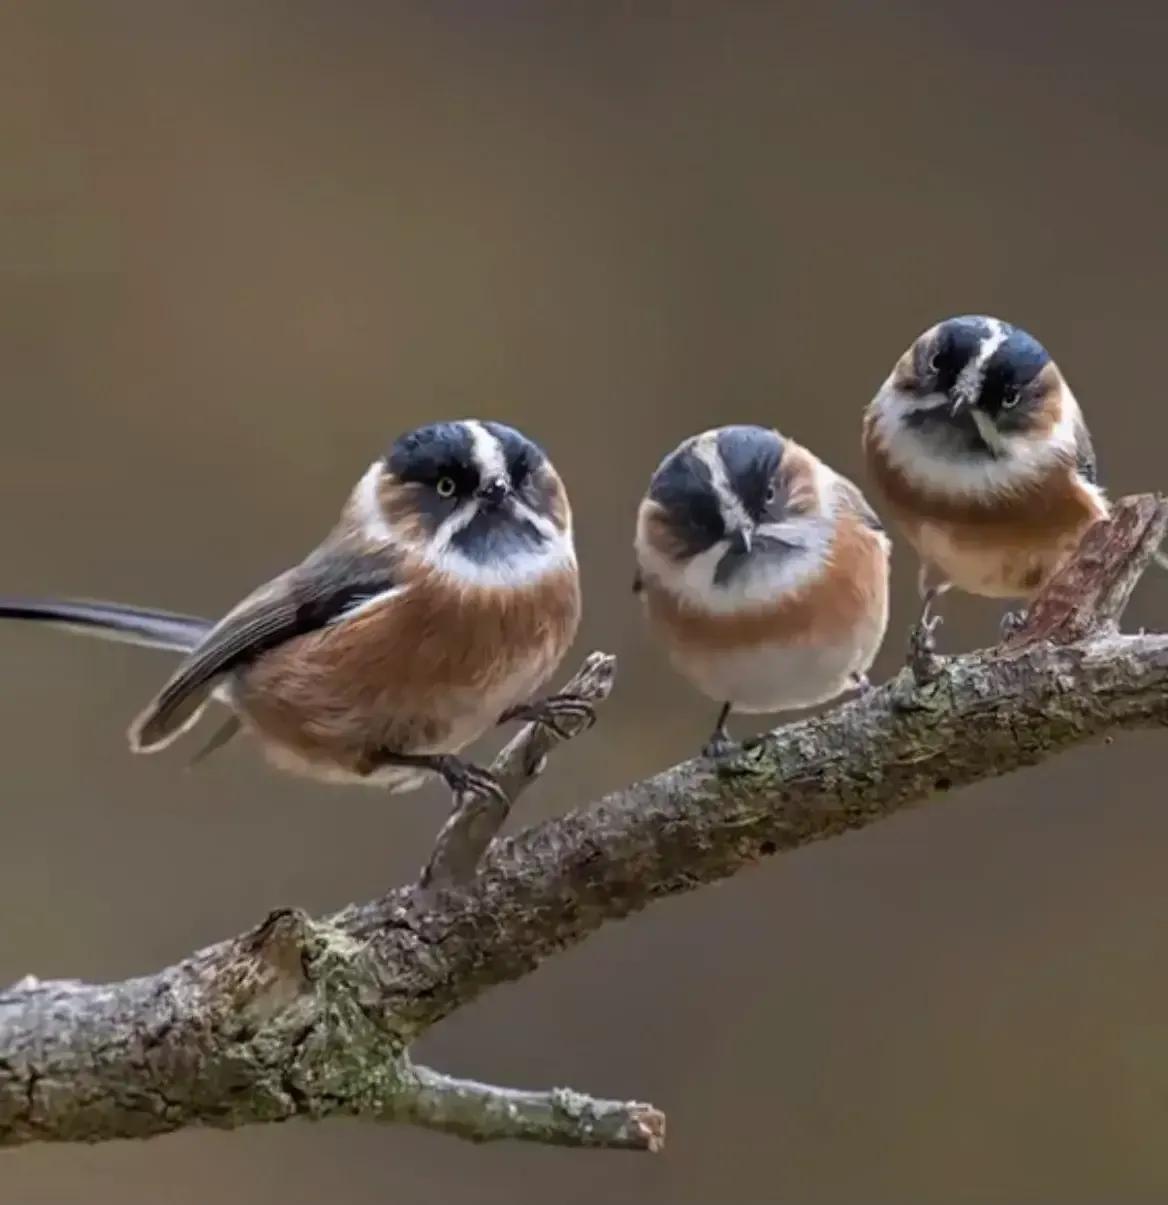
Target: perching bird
[444,597]
[763,572]
[980,452]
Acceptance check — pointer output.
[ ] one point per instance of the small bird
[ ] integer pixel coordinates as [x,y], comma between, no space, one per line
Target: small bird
[980,452]
[444,597]
[763,572]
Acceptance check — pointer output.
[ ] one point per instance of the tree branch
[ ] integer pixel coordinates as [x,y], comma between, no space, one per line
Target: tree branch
[561,1117]
[1089,593]
[475,819]
[304,1018]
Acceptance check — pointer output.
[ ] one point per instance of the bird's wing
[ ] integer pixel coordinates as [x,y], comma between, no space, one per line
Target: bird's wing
[1085,460]
[853,496]
[332,583]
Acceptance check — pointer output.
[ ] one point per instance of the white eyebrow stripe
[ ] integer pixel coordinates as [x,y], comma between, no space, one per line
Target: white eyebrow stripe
[487,451]
[705,448]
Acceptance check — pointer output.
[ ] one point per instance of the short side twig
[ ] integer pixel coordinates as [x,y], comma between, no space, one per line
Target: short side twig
[476,818]
[559,1116]
[1088,594]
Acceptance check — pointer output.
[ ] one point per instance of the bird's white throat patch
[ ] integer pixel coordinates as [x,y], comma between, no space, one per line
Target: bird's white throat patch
[520,567]
[516,566]
[1019,459]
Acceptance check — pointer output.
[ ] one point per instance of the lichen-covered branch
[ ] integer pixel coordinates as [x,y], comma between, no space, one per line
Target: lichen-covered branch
[304,1018]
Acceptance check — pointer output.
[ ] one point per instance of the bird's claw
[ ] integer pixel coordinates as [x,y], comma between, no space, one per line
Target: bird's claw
[922,634]
[464,778]
[552,711]
[719,746]
[1012,623]
[922,649]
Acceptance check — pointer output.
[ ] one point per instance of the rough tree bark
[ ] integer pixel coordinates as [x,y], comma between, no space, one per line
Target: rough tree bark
[314,1018]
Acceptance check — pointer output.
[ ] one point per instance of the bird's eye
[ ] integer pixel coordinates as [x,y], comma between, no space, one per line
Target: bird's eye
[770,495]
[1010,398]
[445,487]
[933,363]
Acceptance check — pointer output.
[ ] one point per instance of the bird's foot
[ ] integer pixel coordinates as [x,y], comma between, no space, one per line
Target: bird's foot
[859,683]
[553,711]
[922,649]
[719,745]
[1012,623]
[462,777]
[465,778]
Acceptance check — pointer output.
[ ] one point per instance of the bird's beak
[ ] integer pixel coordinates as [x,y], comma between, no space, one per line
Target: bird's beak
[493,492]
[740,541]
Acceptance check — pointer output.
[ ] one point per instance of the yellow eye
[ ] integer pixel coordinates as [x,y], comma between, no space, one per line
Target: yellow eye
[445,487]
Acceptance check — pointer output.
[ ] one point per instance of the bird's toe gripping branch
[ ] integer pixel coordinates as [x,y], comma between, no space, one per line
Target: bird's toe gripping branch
[565,713]
[477,816]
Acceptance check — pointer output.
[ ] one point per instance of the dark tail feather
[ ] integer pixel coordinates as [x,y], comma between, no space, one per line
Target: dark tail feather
[112,621]
[226,732]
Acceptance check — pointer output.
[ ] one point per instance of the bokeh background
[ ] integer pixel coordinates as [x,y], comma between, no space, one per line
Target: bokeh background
[242,245]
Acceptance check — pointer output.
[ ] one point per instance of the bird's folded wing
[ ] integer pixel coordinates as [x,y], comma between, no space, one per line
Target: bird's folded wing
[854,497]
[1085,454]
[331,584]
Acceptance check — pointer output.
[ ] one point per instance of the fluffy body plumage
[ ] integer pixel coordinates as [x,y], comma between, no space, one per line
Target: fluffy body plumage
[979,450]
[446,594]
[764,573]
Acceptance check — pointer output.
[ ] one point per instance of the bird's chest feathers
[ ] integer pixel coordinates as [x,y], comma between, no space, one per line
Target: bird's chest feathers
[477,639]
[950,470]
[846,587]
[1029,505]
[1004,546]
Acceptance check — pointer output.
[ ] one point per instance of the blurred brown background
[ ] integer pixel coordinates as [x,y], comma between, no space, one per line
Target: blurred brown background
[243,245]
